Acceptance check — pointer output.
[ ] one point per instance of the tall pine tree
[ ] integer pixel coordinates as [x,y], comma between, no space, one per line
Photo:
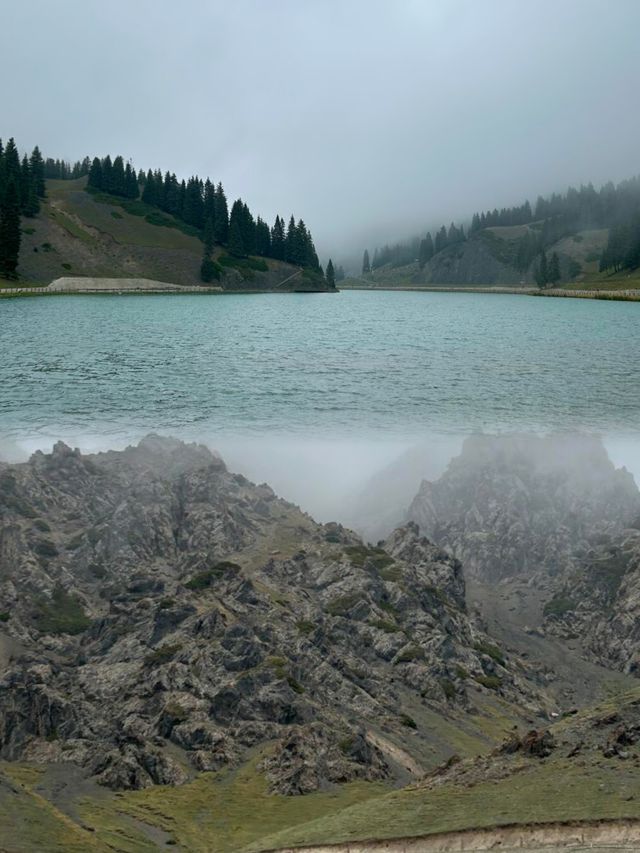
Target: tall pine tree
[10,230]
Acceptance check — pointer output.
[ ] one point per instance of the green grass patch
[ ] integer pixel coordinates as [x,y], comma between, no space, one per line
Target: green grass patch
[343,603]
[385,625]
[558,606]
[220,813]
[492,651]
[552,791]
[203,580]
[305,627]
[410,654]
[163,654]
[491,682]
[362,556]
[62,614]
[448,688]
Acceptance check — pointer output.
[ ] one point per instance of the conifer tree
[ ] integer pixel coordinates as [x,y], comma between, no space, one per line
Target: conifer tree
[37,169]
[441,239]
[330,274]
[278,240]
[366,265]
[117,177]
[553,274]
[221,219]
[10,229]
[208,238]
[542,271]
[95,174]
[107,174]
[235,243]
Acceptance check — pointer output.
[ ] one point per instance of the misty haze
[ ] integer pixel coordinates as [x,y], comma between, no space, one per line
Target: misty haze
[319,427]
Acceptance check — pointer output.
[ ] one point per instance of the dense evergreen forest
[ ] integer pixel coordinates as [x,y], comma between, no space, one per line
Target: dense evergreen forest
[21,188]
[613,207]
[203,205]
[199,204]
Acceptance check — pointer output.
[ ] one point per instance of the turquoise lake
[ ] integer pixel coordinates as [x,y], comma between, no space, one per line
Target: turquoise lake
[315,364]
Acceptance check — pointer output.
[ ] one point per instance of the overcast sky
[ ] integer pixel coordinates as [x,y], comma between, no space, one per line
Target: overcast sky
[370,120]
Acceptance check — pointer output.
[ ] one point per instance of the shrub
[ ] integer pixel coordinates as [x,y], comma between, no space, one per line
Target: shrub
[448,688]
[305,627]
[45,548]
[343,603]
[163,654]
[203,580]
[116,215]
[409,654]
[294,685]
[66,266]
[558,606]
[41,524]
[361,555]
[492,651]
[461,672]
[408,721]
[5,616]
[492,682]
[385,625]
[209,270]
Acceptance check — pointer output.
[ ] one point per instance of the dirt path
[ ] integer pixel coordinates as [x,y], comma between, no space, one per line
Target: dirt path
[596,837]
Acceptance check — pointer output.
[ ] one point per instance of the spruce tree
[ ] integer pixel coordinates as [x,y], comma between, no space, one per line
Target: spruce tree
[117,177]
[107,174]
[37,169]
[278,240]
[208,238]
[330,274]
[221,219]
[542,271]
[441,239]
[235,243]
[95,175]
[366,265]
[10,230]
[553,274]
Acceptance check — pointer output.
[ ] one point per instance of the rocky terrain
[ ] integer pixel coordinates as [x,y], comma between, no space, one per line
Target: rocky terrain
[556,526]
[162,616]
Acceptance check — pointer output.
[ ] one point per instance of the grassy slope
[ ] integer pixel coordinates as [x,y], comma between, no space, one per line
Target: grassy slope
[232,810]
[589,787]
[81,234]
[220,812]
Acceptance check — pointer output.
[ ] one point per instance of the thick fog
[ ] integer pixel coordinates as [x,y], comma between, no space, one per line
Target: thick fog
[369,119]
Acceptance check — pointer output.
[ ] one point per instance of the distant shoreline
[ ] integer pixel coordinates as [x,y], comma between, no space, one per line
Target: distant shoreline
[630,295]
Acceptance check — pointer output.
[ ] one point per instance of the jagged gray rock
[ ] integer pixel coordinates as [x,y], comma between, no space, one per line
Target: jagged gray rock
[165,615]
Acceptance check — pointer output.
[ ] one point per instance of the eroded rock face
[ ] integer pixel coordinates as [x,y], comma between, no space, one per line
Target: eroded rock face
[554,513]
[519,504]
[598,600]
[164,616]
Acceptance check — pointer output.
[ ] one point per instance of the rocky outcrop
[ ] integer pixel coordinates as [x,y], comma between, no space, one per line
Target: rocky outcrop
[167,616]
[554,514]
[599,601]
[519,504]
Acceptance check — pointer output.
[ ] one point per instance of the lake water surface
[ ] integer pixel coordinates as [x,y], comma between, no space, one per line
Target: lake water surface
[316,364]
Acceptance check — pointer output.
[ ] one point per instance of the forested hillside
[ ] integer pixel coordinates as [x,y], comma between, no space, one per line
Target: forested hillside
[230,237]
[525,240]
